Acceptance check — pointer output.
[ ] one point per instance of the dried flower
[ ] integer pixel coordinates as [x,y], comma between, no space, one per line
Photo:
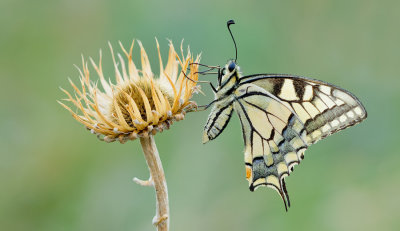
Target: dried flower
[139,104]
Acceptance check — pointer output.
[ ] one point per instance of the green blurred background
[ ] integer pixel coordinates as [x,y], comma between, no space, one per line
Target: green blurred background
[55,175]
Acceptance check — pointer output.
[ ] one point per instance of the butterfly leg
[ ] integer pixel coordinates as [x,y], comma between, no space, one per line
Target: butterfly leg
[202,108]
[198,81]
[212,67]
[205,107]
[213,88]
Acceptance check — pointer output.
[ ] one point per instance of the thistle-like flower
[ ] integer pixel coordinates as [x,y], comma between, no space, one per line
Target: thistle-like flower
[138,104]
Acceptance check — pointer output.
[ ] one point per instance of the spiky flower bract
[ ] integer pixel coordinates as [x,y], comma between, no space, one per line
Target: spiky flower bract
[138,104]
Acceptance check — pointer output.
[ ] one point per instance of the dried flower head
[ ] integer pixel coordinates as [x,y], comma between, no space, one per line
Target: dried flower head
[139,104]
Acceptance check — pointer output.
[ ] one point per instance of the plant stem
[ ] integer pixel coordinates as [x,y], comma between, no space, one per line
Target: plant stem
[157,179]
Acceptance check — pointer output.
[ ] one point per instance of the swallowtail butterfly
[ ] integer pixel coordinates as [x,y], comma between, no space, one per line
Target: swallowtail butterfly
[281,116]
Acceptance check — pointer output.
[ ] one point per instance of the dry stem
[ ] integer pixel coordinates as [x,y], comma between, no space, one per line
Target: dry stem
[157,179]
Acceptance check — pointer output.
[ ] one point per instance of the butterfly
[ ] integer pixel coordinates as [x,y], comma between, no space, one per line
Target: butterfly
[281,116]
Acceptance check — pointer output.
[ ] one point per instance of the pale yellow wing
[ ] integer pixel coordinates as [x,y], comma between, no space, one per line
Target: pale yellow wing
[307,110]
[274,137]
[281,116]
[322,107]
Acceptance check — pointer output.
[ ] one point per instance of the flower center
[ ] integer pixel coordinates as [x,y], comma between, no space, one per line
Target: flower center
[131,90]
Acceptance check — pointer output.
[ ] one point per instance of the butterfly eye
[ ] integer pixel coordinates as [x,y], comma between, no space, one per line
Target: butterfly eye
[231,66]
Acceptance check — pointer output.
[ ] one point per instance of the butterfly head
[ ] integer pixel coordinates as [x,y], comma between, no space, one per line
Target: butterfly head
[229,75]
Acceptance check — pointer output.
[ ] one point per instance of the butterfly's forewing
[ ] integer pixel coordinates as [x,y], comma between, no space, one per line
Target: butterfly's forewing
[323,108]
[274,136]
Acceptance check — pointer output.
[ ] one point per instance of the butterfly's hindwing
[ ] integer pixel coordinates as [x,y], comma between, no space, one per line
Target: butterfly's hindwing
[274,137]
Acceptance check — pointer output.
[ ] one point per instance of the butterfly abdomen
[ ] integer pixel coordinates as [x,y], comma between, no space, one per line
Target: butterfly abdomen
[218,119]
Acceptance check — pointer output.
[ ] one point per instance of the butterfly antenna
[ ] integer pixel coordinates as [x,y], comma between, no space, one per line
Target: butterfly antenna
[228,24]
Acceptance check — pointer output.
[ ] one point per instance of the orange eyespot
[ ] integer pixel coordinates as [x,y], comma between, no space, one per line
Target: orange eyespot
[248,172]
